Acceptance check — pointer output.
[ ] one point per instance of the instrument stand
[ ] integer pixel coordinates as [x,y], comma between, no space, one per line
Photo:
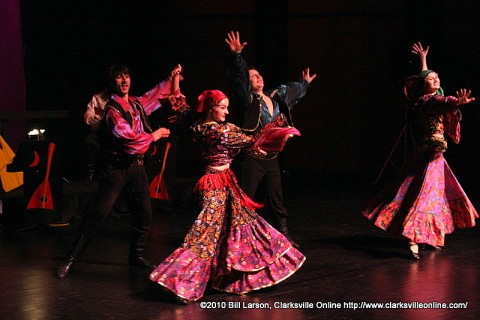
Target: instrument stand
[404,135]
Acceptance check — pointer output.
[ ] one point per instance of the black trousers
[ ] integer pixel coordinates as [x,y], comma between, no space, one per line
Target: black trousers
[130,182]
[253,171]
[93,147]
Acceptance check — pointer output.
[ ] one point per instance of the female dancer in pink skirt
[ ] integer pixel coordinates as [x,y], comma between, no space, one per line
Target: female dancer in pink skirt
[228,244]
[426,202]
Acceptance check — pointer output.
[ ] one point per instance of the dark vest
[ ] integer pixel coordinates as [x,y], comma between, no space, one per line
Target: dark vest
[252,116]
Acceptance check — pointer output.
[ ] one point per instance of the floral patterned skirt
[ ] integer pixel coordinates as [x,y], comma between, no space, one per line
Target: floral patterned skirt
[228,245]
[427,205]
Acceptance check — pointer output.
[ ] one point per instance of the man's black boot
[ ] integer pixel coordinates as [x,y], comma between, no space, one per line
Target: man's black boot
[136,257]
[284,231]
[65,267]
[135,260]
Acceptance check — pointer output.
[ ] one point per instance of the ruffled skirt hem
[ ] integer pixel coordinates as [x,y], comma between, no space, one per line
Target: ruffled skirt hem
[255,256]
[241,282]
[183,273]
[440,206]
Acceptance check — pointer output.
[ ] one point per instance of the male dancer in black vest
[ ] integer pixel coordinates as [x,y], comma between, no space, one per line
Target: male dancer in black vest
[126,137]
[259,109]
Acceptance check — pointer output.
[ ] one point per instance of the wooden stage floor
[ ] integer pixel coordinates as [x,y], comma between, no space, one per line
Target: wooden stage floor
[353,270]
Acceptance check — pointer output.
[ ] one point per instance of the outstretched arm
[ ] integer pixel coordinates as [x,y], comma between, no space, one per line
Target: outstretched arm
[168,87]
[422,53]
[176,99]
[463,97]
[292,92]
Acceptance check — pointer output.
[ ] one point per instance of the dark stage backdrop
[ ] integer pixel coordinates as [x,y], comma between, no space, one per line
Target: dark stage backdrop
[12,81]
[354,110]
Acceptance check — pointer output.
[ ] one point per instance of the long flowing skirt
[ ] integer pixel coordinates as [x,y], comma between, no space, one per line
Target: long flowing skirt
[428,204]
[228,244]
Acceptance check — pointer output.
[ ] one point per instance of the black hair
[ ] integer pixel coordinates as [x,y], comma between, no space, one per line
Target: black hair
[112,72]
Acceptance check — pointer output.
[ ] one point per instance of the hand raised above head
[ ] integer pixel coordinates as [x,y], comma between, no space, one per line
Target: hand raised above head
[175,78]
[306,75]
[418,49]
[233,41]
[177,70]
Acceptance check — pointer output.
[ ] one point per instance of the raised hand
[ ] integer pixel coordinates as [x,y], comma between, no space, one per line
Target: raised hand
[177,70]
[418,49]
[233,41]
[422,53]
[463,96]
[306,75]
[175,78]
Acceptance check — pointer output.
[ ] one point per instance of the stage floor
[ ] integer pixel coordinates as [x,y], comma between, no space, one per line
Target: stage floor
[353,270]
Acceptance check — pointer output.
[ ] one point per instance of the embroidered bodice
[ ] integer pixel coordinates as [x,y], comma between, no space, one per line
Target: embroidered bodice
[437,115]
[220,142]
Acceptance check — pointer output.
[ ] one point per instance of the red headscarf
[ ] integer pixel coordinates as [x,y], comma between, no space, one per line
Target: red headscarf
[208,99]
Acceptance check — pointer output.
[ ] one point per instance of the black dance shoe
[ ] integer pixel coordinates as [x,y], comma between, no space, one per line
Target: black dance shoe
[177,298]
[140,261]
[182,300]
[64,269]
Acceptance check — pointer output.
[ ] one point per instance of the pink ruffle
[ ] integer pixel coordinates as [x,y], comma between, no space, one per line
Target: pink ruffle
[427,228]
[226,179]
[463,213]
[439,208]
[242,282]
[254,247]
[273,139]
[183,273]
[257,256]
